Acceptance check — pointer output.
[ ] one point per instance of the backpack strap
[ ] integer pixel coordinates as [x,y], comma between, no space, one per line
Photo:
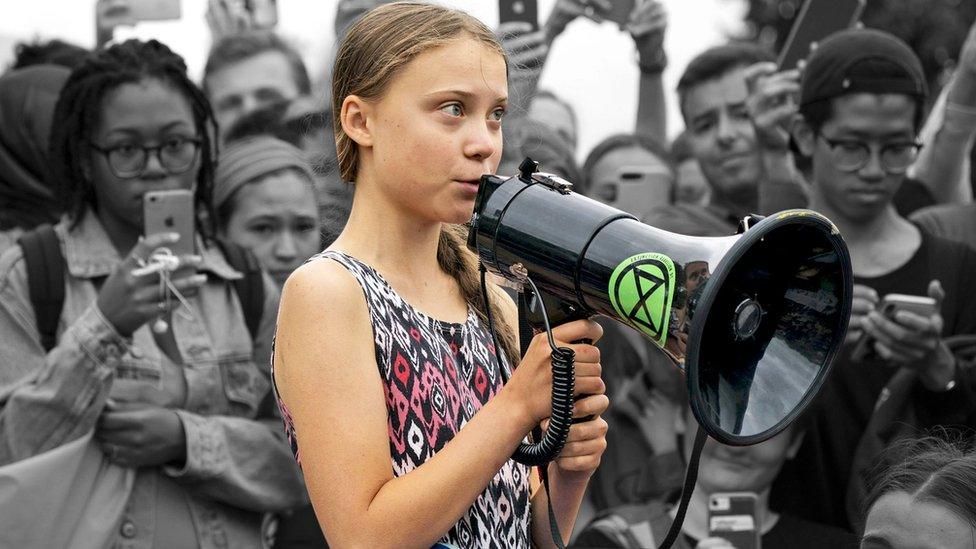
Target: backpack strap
[45,280]
[250,288]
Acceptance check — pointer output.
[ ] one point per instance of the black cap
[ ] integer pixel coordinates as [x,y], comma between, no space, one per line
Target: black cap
[861,61]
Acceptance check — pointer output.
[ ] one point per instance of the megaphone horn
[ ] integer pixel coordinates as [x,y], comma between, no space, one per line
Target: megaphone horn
[754,319]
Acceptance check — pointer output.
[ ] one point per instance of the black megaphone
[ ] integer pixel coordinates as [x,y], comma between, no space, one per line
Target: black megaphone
[754,320]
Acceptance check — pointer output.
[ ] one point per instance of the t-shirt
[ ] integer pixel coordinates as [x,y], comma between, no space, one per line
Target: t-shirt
[637,527]
[951,221]
[814,484]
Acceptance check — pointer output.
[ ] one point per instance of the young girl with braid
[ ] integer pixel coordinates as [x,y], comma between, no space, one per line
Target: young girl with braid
[384,365]
[178,393]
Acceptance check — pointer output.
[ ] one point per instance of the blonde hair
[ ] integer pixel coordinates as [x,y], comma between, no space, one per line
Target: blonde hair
[375,50]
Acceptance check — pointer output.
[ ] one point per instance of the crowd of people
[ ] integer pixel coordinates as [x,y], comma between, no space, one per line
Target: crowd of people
[329,223]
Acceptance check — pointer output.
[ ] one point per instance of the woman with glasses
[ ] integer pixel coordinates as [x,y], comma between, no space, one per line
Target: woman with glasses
[169,378]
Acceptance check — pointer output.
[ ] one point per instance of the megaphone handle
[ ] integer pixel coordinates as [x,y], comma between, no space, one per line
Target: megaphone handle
[579,397]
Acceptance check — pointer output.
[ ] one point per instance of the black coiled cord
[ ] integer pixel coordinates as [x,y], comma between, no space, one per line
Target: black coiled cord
[549,444]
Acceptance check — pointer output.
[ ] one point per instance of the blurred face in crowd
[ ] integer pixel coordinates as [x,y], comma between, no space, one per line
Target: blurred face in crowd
[276,218]
[250,84]
[692,187]
[898,521]
[436,130]
[878,121]
[149,113]
[740,468]
[555,114]
[722,137]
[632,179]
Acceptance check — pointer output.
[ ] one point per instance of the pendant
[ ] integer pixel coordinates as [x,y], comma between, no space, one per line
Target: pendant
[160,326]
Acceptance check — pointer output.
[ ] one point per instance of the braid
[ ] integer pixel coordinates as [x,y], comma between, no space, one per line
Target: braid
[458,262]
[77,114]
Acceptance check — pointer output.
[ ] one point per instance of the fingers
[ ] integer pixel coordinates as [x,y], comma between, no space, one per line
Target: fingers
[866,293]
[593,429]
[578,330]
[753,72]
[589,386]
[936,292]
[592,405]
[148,244]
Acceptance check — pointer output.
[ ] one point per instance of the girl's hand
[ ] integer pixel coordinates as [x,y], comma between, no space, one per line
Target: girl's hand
[531,383]
[141,435]
[128,301]
[586,442]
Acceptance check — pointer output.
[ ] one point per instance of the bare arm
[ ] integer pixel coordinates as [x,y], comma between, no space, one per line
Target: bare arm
[647,26]
[327,375]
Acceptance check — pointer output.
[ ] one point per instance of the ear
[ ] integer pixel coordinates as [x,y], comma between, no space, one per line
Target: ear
[803,135]
[795,444]
[355,119]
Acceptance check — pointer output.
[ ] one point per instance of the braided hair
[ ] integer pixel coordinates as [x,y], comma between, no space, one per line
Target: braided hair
[80,104]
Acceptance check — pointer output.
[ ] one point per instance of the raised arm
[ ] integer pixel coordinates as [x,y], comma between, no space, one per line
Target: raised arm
[647,26]
[326,371]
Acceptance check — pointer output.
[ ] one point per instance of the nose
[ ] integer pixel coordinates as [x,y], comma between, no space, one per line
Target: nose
[286,248]
[873,170]
[726,131]
[481,142]
[154,168]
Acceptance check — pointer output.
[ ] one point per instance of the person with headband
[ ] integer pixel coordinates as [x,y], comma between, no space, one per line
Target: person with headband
[265,198]
[385,368]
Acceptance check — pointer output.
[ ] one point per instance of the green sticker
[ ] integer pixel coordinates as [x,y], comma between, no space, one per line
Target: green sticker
[641,290]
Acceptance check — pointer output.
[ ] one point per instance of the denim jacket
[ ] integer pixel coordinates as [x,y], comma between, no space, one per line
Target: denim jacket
[238,464]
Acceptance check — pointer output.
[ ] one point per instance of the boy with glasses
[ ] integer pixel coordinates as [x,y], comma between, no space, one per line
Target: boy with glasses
[861,105]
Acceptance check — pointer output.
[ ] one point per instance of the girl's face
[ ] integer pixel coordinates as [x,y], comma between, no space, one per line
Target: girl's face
[149,113]
[437,130]
[897,521]
[277,219]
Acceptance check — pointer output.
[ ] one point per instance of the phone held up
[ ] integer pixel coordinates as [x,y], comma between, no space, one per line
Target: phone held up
[526,11]
[170,211]
[889,306]
[732,517]
[817,20]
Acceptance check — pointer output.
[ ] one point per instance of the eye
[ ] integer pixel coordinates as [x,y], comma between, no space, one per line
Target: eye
[453,109]
[305,227]
[263,229]
[175,144]
[702,126]
[497,115]
[125,150]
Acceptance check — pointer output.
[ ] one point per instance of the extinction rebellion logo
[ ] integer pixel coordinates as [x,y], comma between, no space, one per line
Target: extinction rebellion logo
[641,290]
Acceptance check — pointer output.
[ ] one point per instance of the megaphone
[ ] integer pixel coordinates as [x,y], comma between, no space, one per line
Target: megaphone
[754,320]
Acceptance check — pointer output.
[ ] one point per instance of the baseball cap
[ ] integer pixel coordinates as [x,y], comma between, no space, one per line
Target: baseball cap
[861,61]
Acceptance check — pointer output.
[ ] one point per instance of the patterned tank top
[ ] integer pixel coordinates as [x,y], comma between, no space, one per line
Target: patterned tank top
[436,376]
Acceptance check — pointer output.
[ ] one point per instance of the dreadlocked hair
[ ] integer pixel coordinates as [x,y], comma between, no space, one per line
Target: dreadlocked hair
[456,260]
[77,115]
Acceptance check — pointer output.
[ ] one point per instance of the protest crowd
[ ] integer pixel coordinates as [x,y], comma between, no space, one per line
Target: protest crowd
[147,401]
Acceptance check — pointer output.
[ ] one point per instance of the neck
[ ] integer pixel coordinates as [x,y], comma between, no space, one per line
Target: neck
[696,520]
[863,233]
[389,239]
[739,206]
[122,235]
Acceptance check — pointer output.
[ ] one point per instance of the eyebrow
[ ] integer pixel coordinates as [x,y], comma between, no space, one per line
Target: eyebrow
[464,94]
[168,126]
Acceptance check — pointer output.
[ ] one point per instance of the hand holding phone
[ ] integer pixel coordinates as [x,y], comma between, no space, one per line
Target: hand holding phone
[732,516]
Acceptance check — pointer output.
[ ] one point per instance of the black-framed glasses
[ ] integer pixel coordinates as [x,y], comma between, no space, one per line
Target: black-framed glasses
[850,155]
[127,160]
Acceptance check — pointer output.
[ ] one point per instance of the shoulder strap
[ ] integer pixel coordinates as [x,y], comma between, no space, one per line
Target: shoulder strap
[250,288]
[45,280]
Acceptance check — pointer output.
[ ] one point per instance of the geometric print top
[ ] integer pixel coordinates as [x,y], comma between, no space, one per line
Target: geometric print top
[436,376]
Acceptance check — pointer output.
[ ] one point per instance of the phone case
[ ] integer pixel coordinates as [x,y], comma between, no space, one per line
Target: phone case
[170,211]
[732,516]
[519,10]
[155,10]
[920,305]
[818,19]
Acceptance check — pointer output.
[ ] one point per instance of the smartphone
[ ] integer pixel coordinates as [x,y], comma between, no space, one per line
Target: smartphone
[637,189]
[264,13]
[170,211]
[818,19]
[154,10]
[732,517]
[619,12]
[519,10]
[918,304]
